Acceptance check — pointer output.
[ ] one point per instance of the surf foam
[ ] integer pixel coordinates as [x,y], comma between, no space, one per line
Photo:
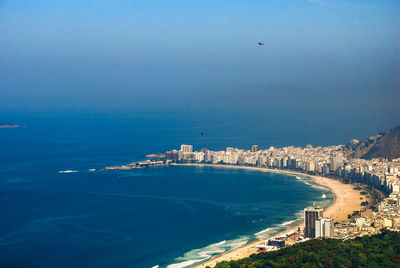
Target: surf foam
[264,231]
[287,223]
[68,171]
[202,254]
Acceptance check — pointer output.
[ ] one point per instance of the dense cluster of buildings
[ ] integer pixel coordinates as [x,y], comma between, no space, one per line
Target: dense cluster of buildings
[315,226]
[333,161]
[368,222]
[278,242]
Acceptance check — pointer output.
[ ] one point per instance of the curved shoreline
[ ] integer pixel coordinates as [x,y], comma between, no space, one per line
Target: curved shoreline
[345,201]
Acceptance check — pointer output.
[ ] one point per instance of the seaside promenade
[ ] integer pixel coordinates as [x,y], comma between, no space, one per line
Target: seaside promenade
[346,201]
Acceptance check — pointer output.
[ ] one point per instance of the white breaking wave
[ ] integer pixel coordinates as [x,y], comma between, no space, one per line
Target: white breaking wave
[319,187]
[202,254]
[269,231]
[240,242]
[68,171]
[306,180]
[185,263]
[220,243]
[287,223]
[264,231]
[155,266]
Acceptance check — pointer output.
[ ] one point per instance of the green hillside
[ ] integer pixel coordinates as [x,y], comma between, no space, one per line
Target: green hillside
[381,250]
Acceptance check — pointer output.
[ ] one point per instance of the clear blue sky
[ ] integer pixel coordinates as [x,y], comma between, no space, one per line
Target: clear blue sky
[200,54]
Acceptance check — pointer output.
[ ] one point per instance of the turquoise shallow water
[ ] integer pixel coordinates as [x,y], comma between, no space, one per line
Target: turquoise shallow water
[137,218]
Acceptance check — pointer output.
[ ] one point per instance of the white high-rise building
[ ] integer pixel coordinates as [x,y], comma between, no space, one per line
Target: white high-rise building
[186,148]
[335,161]
[324,227]
[310,166]
[199,156]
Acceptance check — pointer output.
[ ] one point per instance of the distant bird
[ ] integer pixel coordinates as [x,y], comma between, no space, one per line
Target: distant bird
[260,44]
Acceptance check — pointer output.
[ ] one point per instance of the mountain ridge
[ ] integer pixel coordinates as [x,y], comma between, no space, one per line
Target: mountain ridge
[383,145]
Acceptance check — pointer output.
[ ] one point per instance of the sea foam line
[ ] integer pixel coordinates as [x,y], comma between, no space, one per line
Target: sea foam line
[264,231]
[68,171]
[202,254]
[308,181]
[288,222]
[185,263]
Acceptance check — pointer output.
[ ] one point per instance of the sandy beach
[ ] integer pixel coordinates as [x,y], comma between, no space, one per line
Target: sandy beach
[346,201]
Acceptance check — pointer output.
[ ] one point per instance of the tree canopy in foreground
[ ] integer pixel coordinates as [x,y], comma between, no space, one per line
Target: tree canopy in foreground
[382,250]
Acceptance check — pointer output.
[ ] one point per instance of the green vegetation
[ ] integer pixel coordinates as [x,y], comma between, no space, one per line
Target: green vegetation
[382,250]
[364,204]
[355,213]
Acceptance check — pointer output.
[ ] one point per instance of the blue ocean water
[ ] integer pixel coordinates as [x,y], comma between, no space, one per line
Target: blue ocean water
[137,218]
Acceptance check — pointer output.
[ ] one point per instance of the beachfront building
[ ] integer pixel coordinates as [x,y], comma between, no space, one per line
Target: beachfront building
[311,214]
[278,242]
[172,155]
[186,148]
[324,228]
[335,161]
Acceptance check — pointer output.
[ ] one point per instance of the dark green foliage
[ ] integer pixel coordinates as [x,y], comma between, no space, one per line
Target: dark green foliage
[364,203]
[381,250]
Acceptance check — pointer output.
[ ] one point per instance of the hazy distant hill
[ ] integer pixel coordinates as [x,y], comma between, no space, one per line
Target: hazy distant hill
[385,145]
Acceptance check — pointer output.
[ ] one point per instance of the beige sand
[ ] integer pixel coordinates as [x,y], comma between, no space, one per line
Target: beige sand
[346,201]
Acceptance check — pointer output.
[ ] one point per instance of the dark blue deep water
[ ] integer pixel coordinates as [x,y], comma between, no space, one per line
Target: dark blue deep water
[138,218]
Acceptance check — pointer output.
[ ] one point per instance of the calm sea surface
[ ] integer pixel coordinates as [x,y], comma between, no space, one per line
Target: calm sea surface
[138,218]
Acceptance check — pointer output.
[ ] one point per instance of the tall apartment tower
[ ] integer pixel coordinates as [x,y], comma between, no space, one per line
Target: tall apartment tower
[311,214]
[172,155]
[186,148]
[324,228]
[335,161]
[254,148]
